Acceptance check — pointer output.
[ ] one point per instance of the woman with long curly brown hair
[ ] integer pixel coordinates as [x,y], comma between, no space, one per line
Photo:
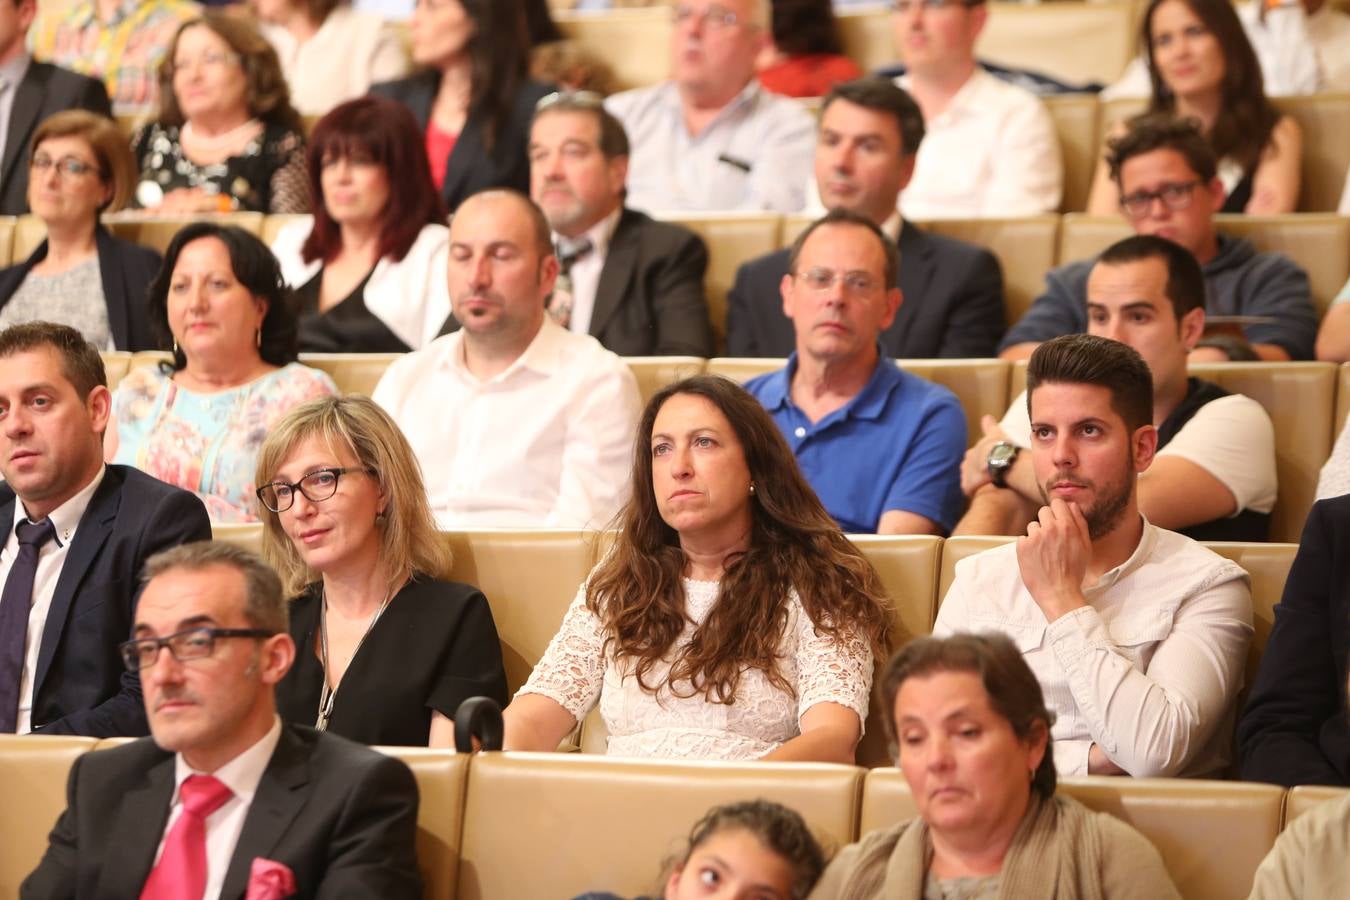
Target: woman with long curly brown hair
[731,619]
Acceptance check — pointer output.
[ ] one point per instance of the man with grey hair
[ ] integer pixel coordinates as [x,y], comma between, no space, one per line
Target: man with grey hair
[711,138]
[223,797]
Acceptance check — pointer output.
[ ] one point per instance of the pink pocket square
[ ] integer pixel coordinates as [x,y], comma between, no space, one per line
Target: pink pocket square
[269,880]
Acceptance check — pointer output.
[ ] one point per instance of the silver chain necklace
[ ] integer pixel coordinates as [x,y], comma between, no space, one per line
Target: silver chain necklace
[328,695]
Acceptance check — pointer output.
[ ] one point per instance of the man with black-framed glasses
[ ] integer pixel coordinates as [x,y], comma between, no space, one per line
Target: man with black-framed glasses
[1169,187]
[223,796]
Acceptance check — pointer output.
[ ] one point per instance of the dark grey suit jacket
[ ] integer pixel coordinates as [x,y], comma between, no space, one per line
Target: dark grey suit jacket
[82,685]
[470,167]
[341,816]
[45,89]
[952,307]
[650,299]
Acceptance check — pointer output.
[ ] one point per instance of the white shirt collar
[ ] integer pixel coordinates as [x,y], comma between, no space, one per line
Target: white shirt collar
[544,355]
[600,234]
[66,517]
[241,775]
[891,227]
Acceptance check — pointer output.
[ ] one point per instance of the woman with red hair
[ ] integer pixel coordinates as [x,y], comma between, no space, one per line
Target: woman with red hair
[368,267]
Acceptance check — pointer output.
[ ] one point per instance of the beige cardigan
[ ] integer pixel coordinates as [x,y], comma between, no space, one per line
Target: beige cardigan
[1311,859]
[1061,851]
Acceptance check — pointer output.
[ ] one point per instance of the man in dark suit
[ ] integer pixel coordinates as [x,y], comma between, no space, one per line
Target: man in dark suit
[257,801]
[952,291]
[633,283]
[75,535]
[39,89]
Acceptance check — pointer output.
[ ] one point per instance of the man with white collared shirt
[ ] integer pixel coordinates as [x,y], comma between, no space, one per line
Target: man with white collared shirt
[990,148]
[633,283]
[224,799]
[515,421]
[711,138]
[1137,635]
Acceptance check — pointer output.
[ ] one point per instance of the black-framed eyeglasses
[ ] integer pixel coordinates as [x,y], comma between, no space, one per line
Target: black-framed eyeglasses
[1174,195]
[317,486]
[191,643]
[582,99]
[66,165]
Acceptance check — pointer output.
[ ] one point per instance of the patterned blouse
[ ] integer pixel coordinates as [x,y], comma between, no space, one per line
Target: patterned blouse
[269,176]
[207,443]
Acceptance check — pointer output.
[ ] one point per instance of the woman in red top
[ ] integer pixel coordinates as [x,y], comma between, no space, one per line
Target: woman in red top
[806,58]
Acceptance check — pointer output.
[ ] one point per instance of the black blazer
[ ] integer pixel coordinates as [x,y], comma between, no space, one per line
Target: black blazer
[126,270]
[952,307]
[45,89]
[1294,730]
[81,685]
[650,299]
[471,168]
[342,817]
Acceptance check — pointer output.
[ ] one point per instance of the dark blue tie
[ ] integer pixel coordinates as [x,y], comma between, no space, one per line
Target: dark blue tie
[15,603]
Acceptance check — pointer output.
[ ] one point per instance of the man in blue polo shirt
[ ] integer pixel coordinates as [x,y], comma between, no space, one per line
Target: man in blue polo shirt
[881,447]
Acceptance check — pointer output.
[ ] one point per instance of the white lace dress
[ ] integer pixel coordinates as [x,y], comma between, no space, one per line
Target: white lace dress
[575,672]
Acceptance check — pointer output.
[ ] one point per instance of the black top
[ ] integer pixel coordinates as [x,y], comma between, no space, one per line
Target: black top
[348,327]
[434,647]
[1240,196]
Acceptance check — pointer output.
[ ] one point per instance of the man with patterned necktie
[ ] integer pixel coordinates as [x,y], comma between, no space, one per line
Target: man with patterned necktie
[224,799]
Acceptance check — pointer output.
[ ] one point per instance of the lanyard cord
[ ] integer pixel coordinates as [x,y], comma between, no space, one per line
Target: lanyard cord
[328,695]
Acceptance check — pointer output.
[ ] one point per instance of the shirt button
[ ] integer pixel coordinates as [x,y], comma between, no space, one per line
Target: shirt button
[800,432]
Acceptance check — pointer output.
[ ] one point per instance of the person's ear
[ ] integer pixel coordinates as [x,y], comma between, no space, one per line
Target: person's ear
[1145,445]
[1192,328]
[278,653]
[99,405]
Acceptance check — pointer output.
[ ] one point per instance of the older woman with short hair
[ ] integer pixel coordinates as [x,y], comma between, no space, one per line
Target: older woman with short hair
[387,649]
[80,275]
[731,619]
[198,420]
[972,733]
[226,136]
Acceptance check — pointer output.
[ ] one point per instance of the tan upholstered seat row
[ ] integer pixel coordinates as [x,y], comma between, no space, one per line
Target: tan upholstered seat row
[477,813]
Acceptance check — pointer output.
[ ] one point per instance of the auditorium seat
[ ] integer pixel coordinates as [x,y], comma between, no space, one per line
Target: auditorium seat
[1075,118]
[149,358]
[655,372]
[1304,797]
[1212,834]
[634,43]
[128,123]
[442,776]
[732,239]
[1268,565]
[558,825]
[34,771]
[245,535]
[154,232]
[115,365]
[274,222]
[953,551]
[353,373]
[1342,400]
[7,228]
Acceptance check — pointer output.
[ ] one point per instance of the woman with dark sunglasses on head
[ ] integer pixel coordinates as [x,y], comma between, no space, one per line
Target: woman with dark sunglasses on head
[387,650]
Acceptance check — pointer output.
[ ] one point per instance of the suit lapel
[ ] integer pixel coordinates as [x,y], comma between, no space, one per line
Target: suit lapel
[28,96]
[136,832]
[275,805]
[90,536]
[115,296]
[468,146]
[916,274]
[618,270]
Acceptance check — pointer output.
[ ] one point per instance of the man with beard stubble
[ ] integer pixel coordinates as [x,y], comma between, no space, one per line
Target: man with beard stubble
[1137,634]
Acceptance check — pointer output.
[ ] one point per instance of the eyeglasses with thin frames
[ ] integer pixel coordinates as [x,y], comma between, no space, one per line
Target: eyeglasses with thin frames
[1174,195]
[191,643]
[820,280]
[715,17]
[66,165]
[317,486]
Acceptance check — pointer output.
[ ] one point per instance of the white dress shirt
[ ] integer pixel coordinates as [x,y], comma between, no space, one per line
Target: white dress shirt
[65,519]
[992,153]
[585,272]
[755,155]
[547,443]
[351,51]
[241,775]
[1149,670]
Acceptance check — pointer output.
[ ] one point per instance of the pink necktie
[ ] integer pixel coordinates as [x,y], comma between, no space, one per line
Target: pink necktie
[180,873]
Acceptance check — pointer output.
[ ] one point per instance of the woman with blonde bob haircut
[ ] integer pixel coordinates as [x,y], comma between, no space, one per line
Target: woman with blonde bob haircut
[387,650]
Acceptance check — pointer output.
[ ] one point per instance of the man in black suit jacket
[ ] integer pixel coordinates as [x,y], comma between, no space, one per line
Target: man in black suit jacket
[952,291]
[42,89]
[339,818]
[637,287]
[107,520]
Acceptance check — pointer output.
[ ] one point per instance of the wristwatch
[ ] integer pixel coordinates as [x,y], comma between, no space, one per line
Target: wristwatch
[1001,458]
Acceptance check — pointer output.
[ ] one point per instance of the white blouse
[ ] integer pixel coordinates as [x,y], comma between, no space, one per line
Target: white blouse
[575,672]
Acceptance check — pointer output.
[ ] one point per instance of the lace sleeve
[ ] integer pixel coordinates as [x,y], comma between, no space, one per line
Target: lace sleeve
[573,666]
[290,180]
[837,671]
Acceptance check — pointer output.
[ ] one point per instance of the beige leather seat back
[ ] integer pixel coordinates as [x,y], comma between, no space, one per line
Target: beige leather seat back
[1325,119]
[1306,796]
[866,36]
[353,373]
[1075,118]
[529,578]
[1342,400]
[655,372]
[956,549]
[1268,565]
[246,535]
[29,231]
[1082,236]
[34,771]
[634,43]
[115,365]
[157,232]
[981,385]
[442,776]
[742,369]
[1212,834]
[274,222]
[1086,41]
[7,227]
[591,823]
[1316,241]
[732,239]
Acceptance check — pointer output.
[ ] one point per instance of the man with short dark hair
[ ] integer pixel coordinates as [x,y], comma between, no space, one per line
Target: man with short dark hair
[1166,173]
[868,134]
[879,445]
[1213,477]
[224,798]
[1138,635]
[76,533]
[633,283]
